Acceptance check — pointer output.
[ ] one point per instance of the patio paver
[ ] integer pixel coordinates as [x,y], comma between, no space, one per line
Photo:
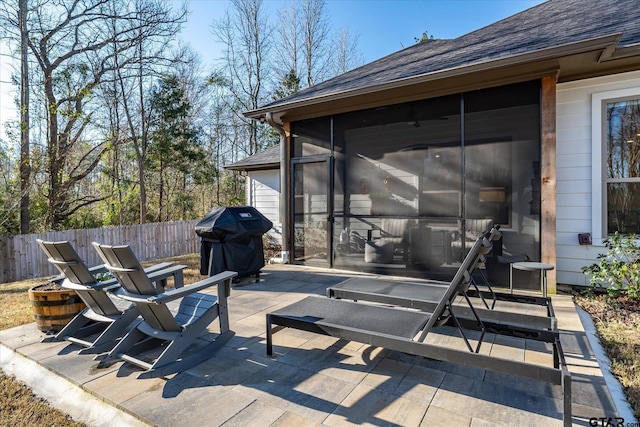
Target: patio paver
[316,380]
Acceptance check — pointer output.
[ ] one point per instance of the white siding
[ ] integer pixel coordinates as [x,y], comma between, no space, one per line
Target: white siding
[574,171]
[263,193]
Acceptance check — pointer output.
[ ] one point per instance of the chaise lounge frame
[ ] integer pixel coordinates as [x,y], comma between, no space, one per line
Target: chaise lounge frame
[425,295]
[405,330]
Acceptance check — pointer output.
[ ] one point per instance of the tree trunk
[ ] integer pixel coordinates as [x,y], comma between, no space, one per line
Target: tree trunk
[25,157]
[53,151]
[141,152]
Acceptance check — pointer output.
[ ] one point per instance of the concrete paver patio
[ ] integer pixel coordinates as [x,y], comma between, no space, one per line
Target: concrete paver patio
[318,380]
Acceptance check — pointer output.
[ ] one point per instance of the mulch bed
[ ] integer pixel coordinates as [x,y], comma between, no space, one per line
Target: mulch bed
[604,309]
[617,321]
[45,287]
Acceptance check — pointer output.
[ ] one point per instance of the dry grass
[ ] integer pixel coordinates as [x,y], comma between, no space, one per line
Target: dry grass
[19,407]
[15,308]
[617,321]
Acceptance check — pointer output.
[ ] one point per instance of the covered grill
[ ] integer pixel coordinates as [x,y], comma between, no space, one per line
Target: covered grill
[231,239]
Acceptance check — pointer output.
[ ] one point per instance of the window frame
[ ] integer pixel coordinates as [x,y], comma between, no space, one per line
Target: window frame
[599,179]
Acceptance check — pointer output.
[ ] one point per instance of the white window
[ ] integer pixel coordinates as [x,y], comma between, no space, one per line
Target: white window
[616,162]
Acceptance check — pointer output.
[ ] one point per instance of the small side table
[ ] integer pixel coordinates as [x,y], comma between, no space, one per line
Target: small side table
[531,266]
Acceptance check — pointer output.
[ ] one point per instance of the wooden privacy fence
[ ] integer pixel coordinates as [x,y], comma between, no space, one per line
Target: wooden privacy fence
[21,258]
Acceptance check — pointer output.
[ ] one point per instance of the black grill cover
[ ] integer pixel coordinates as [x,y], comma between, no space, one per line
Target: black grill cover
[230,223]
[231,239]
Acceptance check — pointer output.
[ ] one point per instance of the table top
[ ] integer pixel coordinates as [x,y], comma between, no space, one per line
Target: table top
[531,266]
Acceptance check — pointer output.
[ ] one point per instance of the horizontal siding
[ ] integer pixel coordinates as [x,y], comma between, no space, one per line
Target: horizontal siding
[576,159]
[570,249]
[571,278]
[573,187]
[582,200]
[574,173]
[573,225]
[264,195]
[574,213]
[578,133]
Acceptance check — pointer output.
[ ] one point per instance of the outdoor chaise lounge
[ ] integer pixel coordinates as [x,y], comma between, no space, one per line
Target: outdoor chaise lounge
[406,330]
[106,318]
[160,329]
[425,295]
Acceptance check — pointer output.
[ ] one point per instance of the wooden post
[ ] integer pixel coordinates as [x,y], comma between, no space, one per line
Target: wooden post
[548,177]
[285,196]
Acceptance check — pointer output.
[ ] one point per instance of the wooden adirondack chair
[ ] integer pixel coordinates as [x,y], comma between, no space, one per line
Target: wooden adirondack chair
[160,328]
[106,318]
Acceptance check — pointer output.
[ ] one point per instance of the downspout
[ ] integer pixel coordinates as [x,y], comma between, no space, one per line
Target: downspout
[284,200]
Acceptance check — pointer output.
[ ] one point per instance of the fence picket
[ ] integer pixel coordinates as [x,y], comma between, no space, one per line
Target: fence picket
[21,258]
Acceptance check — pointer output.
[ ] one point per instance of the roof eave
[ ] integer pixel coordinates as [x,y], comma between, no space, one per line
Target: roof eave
[256,167]
[598,43]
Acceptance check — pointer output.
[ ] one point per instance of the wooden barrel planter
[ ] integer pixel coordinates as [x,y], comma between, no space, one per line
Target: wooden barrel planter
[53,306]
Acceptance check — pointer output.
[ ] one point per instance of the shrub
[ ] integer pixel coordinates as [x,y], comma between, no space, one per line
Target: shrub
[619,268]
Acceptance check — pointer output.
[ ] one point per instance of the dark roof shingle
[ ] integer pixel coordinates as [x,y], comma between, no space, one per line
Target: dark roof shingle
[265,159]
[551,24]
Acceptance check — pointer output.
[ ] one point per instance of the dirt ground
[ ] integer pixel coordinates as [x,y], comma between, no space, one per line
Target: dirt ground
[617,321]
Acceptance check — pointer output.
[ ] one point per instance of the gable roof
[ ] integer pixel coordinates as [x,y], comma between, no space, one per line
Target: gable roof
[265,159]
[551,30]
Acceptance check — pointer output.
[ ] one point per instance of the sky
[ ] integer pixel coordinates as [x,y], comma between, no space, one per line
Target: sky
[382,27]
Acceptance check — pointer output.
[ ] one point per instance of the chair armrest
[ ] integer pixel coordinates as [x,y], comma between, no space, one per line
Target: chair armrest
[93,270]
[122,294]
[219,279]
[74,286]
[112,282]
[159,266]
[98,269]
[165,273]
[160,277]
[92,286]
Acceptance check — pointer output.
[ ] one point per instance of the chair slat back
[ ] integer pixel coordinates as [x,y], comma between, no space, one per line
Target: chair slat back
[65,258]
[124,265]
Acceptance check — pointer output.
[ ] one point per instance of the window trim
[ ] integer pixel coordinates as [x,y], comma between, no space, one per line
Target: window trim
[598,187]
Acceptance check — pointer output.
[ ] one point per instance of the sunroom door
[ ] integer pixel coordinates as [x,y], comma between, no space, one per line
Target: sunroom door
[311,210]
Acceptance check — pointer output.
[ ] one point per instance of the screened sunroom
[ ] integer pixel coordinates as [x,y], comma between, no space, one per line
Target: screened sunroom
[405,188]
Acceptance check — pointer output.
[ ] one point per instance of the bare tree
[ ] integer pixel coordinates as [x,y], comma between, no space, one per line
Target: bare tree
[75,48]
[13,28]
[311,51]
[247,36]
[25,159]
[315,40]
[289,30]
[346,54]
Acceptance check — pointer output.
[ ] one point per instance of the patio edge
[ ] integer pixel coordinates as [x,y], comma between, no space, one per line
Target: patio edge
[64,395]
[614,386]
